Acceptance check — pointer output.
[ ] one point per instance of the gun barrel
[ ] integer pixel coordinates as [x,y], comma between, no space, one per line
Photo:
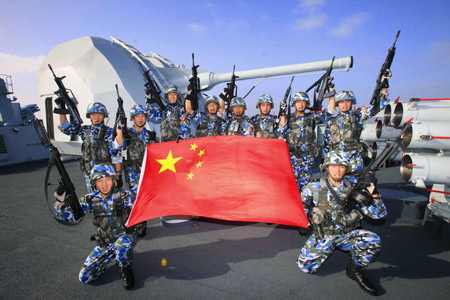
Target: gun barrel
[209,79]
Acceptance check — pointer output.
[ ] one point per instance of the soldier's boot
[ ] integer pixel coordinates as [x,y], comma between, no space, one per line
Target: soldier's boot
[127,276]
[141,229]
[355,272]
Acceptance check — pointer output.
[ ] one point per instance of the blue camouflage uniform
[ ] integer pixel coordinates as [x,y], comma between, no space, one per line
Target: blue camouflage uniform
[175,122]
[266,127]
[115,241]
[90,134]
[301,137]
[343,132]
[135,154]
[338,230]
[207,126]
[239,126]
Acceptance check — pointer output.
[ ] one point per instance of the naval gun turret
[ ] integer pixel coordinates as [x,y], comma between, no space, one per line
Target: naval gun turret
[93,66]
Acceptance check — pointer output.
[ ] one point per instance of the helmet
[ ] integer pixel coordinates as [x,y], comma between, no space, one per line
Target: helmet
[300,96]
[96,108]
[211,99]
[172,89]
[136,110]
[238,101]
[265,98]
[337,157]
[100,171]
[345,95]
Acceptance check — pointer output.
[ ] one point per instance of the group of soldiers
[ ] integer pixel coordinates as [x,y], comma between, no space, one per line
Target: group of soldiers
[330,226]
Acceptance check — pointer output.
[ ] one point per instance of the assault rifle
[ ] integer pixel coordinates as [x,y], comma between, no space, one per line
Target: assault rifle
[286,105]
[67,104]
[121,116]
[322,89]
[152,90]
[231,92]
[194,85]
[359,193]
[64,183]
[375,100]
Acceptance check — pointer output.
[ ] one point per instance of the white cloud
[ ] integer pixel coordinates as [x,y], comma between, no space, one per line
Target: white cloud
[11,64]
[441,49]
[197,27]
[312,22]
[309,5]
[350,24]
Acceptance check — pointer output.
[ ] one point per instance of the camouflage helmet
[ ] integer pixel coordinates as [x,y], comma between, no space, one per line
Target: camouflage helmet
[211,99]
[96,108]
[238,101]
[100,171]
[265,98]
[136,110]
[337,157]
[300,96]
[172,89]
[345,95]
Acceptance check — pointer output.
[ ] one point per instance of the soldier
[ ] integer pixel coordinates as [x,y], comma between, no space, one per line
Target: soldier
[110,207]
[175,123]
[238,123]
[333,226]
[299,132]
[343,131]
[209,124]
[265,123]
[97,147]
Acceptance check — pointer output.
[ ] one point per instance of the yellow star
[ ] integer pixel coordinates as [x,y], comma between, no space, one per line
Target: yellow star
[201,153]
[199,164]
[193,147]
[190,176]
[168,163]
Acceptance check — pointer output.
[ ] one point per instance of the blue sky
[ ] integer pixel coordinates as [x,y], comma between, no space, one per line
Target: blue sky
[249,34]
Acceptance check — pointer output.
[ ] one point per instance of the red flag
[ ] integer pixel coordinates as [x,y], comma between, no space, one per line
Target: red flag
[224,177]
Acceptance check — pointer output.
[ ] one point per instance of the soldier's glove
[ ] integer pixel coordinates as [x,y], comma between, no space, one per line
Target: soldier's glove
[305,231]
[283,106]
[119,182]
[60,104]
[188,95]
[120,123]
[370,178]
[148,96]
[60,193]
[386,76]
[224,94]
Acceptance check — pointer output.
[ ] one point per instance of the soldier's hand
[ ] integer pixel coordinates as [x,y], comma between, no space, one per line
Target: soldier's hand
[188,94]
[59,198]
[387,75]
[331,86]
[59,102]
[120,182]
[224,94]
[283,106]
[120,124]
[305,231]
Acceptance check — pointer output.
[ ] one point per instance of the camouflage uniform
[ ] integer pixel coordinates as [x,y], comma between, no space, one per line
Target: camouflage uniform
[239,126]
[301,137]
[94,150]
[175,122]
[333,228]
[343,131]
[113,238]
[266,127]
[207,126]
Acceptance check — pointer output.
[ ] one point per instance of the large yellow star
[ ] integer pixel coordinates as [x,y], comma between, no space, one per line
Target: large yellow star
[168,163]
[194,146]
[201,153]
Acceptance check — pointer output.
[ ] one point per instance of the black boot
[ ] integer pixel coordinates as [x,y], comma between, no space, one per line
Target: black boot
[127,276]
[355,272]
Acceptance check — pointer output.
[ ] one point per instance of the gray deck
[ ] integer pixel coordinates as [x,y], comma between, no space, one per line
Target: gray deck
[40,259]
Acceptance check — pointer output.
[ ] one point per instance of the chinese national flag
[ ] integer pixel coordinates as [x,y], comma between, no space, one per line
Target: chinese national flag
[224,177]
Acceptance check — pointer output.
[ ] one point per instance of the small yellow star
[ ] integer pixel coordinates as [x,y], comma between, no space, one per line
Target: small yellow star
[190,176]
[168,163]
[193,147]
[199,164]
[201,153]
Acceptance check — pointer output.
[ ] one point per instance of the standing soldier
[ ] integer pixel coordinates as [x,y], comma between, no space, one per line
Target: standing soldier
[299,131]
[97,147]
[111,207]
[343,131]
[209,123]
[175,123]
[238,123]
[335,226]
[265,122]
